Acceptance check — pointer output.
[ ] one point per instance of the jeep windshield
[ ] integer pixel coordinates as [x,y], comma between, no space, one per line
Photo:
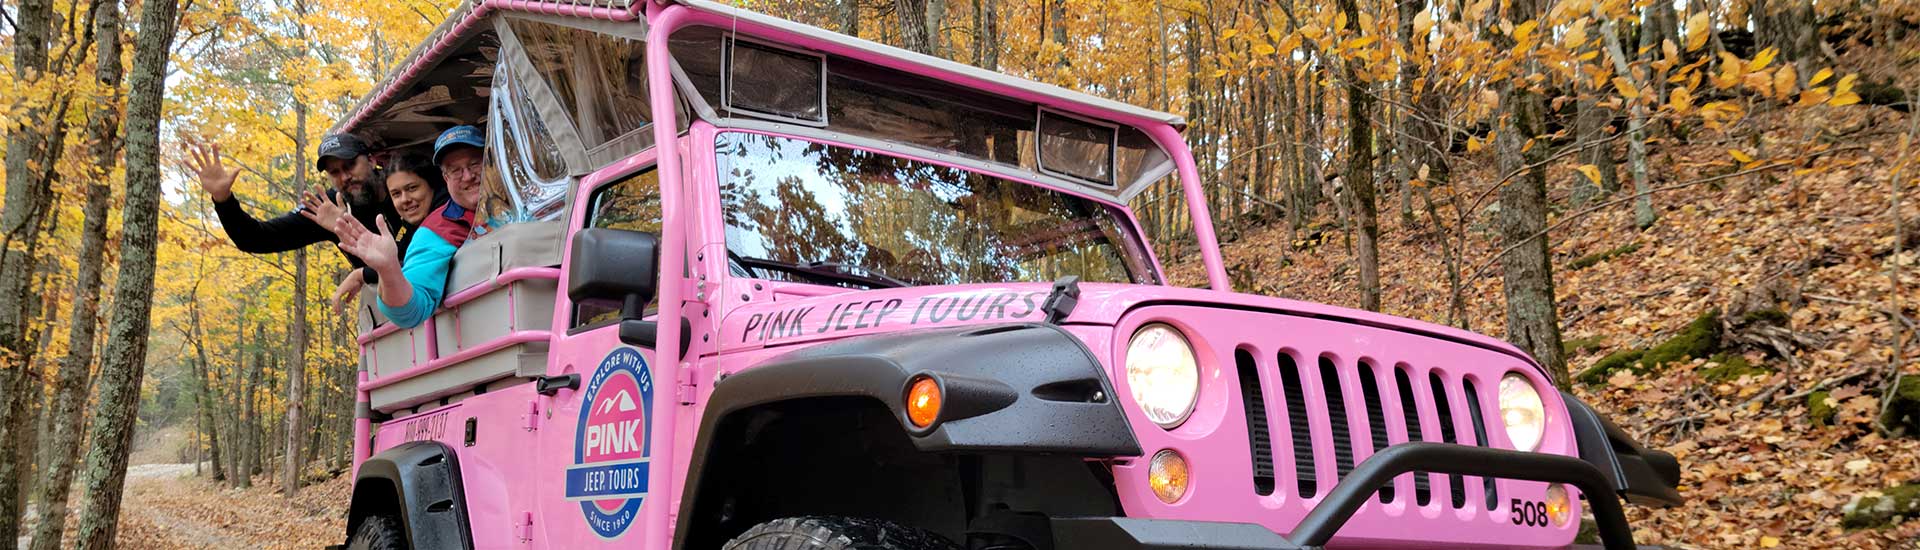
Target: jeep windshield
[805,211]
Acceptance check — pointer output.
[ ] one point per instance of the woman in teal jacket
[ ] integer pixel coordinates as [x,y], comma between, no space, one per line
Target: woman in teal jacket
[410,292]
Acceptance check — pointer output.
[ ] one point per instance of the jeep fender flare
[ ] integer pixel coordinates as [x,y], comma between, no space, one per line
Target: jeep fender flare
[1021,388]
[419,482]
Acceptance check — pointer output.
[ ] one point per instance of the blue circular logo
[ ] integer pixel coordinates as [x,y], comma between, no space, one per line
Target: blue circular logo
[611,449]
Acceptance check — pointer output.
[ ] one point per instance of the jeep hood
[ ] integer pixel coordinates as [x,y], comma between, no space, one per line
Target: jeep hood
[800,320]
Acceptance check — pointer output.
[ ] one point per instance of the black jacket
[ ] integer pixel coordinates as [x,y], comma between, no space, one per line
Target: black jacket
[292,231]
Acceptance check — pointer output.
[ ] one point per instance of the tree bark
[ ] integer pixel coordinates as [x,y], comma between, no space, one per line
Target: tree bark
[1359,174]
[70,396]
[297,373]
[849,17]
[914,34]
[203,398]
[125,355]
[1643,216]
[19,229]
[1057,13]
[987,45]
[1533,324]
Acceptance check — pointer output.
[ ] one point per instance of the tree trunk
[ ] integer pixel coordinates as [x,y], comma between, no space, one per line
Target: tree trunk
[203,385]
[1359,174]
[19,228]
[1057,13]
[1590,129]
[988,44]
[70,396]
[246,432]
[297,371]
[914,34]
[1532,322]
[1643,216]
[124,360]
[850,17]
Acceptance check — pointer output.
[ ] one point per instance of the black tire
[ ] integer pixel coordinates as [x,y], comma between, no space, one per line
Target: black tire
[377,533]
[836,533]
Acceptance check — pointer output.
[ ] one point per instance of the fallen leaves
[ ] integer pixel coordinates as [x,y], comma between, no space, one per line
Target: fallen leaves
[1756,473]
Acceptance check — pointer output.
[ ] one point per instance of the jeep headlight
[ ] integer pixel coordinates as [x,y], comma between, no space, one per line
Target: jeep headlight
[1522,412]
[1162,374]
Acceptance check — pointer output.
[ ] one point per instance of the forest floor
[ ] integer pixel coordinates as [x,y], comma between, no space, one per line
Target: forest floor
[1814,240]
[167,508]
[165,512]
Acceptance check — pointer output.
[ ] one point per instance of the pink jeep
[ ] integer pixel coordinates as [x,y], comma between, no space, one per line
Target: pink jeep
[890,301]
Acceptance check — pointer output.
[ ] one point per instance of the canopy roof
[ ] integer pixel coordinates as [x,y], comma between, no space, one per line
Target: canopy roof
[445,79]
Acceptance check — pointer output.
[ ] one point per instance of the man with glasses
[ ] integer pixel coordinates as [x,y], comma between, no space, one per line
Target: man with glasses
[345,160]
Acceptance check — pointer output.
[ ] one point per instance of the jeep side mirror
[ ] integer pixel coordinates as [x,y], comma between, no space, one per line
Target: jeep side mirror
[614,265]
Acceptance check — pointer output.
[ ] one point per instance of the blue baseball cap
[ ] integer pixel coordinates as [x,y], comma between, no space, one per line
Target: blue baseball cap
[458,135]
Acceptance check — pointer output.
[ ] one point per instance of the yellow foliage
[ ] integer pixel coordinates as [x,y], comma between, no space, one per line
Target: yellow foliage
[1785,81]
[1681,101]
[1626,88]
[1762,59]
[1697,31]
[1820,76]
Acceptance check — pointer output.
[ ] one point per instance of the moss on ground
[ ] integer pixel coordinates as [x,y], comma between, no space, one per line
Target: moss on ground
[1730,367]
[1701,338]
[1895,504]
[1770,316]
[1589,532]
[1902,416]
[1820,407]
[1589,344]
[1625,359]
[1591,260]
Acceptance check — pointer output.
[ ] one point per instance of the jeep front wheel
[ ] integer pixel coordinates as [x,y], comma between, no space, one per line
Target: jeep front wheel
[377,533]
[836,533]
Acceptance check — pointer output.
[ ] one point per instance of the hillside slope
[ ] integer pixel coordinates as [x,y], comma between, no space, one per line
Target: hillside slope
[1813,241]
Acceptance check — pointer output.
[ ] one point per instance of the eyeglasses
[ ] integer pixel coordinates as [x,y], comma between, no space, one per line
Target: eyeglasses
[463,170]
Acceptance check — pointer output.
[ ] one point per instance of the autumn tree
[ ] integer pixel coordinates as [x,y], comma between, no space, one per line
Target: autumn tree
[28,146]
[69,388]
[125,354]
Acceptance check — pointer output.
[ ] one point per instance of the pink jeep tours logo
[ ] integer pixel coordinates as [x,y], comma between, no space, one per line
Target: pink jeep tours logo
[611,448]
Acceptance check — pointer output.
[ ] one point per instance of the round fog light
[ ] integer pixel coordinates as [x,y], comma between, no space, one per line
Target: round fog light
[1168,474]
[1559,505]
[923,402]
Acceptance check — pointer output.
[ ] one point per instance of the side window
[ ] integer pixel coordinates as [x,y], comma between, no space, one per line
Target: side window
[525,154]
[599,79]
[632,204]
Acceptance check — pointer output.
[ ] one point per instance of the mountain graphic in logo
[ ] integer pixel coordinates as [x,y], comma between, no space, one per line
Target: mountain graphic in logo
[622,402]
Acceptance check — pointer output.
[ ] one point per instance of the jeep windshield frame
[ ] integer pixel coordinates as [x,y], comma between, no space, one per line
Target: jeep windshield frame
[802,200]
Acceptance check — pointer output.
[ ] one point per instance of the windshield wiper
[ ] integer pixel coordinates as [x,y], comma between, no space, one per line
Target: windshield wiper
[823,272]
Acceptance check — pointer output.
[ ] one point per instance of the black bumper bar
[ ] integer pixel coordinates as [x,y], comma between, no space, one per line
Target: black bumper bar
[1354,490]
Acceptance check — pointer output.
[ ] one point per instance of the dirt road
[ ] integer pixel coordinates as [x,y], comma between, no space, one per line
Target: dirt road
[167,508]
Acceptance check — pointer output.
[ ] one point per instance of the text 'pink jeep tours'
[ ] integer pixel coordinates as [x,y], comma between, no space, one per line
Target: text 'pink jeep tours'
[875,299]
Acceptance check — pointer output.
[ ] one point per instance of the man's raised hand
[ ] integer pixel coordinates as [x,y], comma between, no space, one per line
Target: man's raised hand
[323,209]
[215,178]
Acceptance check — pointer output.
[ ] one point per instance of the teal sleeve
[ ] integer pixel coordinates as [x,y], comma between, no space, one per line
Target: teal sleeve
[428,258]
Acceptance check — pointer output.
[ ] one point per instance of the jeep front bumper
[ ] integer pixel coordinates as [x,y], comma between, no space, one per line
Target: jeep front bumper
[1353,491]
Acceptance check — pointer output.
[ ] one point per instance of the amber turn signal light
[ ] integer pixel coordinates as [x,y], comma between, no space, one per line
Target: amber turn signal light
[923,402]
